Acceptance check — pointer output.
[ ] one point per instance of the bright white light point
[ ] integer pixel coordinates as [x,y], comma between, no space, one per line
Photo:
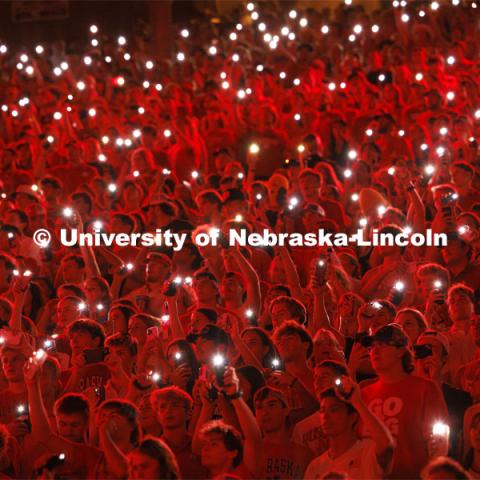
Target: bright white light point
[19,66]
[57,116]
[407,230]
[354,197]
[375,28]
[241,94]
[14,113]
[240,175]
[97,224]
[462,229]
[195,174]
[419,77]
[285,31]
[3,49]
[352,37]
[250,7]
[119,142]
[477,114]
[348,2]
[64,66]
[254,16]
[232,36]
[112,187]
[391,171]
[185,33]
[239,27]
[128,142]
[146,84]
[331,86]
[258,196]
[67,212]
[235,57]
[127,56]
[450,96]
[212,50]
[282,75]
[249,313]
[267,38]
[396,4]
[301,148]
[166,171]
[450,59]
[225,85]
[292,14]
[343,85]
[381,77]
[324,29]
[141,110]
[4,108]
[105,139]
[102,158]
[81,85]
[180,56]
[50,139]
[167,133]
[423,147]
[218,360]
[363,222]
[474,5]
[291,36]
[262,27]
[122,40]
[347,173]
[92,112]
[238,218]
[296,82]
[399,286]
[440,151]
[368,132]
[94,42]
[429,169]
[29,70]
[108,59]
[352,154]
[441,429]
[421,13]
[155,377]
[24,58]
[443,131]
[357,29]
[381,210]
[303,22]
[148,64]
[297,117]
[39,49]
[87,60]
[434,5]
[259,68]
[137,133]
[93,29]
[405,17]
[401,133]
[293,201]
[158,87]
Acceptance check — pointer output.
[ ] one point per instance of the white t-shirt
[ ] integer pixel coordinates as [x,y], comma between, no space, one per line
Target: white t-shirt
[360,462]
[308,432]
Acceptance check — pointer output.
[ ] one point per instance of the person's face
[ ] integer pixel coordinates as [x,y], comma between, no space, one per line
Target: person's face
[334,417]
[206,349]
[310,187]
[231,288]
[214,452]
[271,414]
[118,321]
[124,354]
[197,322]
[432,365]
[409,324]
[291,347]
[137,330]
[426,283]
[12,364]
[37,217]
[255,344]
[312,221]
[460,178]
[208,209]
[67,312]
[157,270]
[93,291]
[377,317]
[460,307]
[325,349]
[80,341]
[385,357]
[72,426]
[171,413]
[142,467]
[324,378]
[205,290]
[277,271]
[280,314]
[72,273]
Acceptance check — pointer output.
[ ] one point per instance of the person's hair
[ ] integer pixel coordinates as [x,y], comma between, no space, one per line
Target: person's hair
[296,308]
[10,263]
[407,361]
[103,286]
[330,393]
[89,326]
[230,436]
[210,196]
[339,369]
[74,289]
[417,315]
[255,378]
[291,326]
[446,466]
[172,393]
[21,215]
[147,320]
[310,172]
[263,393]
[130,412]
[210,313]
[74,258]
[159,451]
[465,166]
[204,273]
[72,403]
[461,289]
[126,220]
[122,340]
[434,269]
[85,197]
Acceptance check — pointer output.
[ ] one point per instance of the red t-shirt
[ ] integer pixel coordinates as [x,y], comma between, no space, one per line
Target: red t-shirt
[285,460]
[409,409]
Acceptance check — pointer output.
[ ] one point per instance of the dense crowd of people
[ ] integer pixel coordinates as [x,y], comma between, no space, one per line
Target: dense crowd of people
[244,362]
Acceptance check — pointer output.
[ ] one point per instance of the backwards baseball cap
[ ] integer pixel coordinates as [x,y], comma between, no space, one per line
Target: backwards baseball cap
[434,335]
[211,332]
[391,334]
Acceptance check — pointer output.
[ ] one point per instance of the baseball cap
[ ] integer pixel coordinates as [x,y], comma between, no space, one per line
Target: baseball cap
[159,256]
[434,335]
[391,334]
[211,332]
[313,207]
